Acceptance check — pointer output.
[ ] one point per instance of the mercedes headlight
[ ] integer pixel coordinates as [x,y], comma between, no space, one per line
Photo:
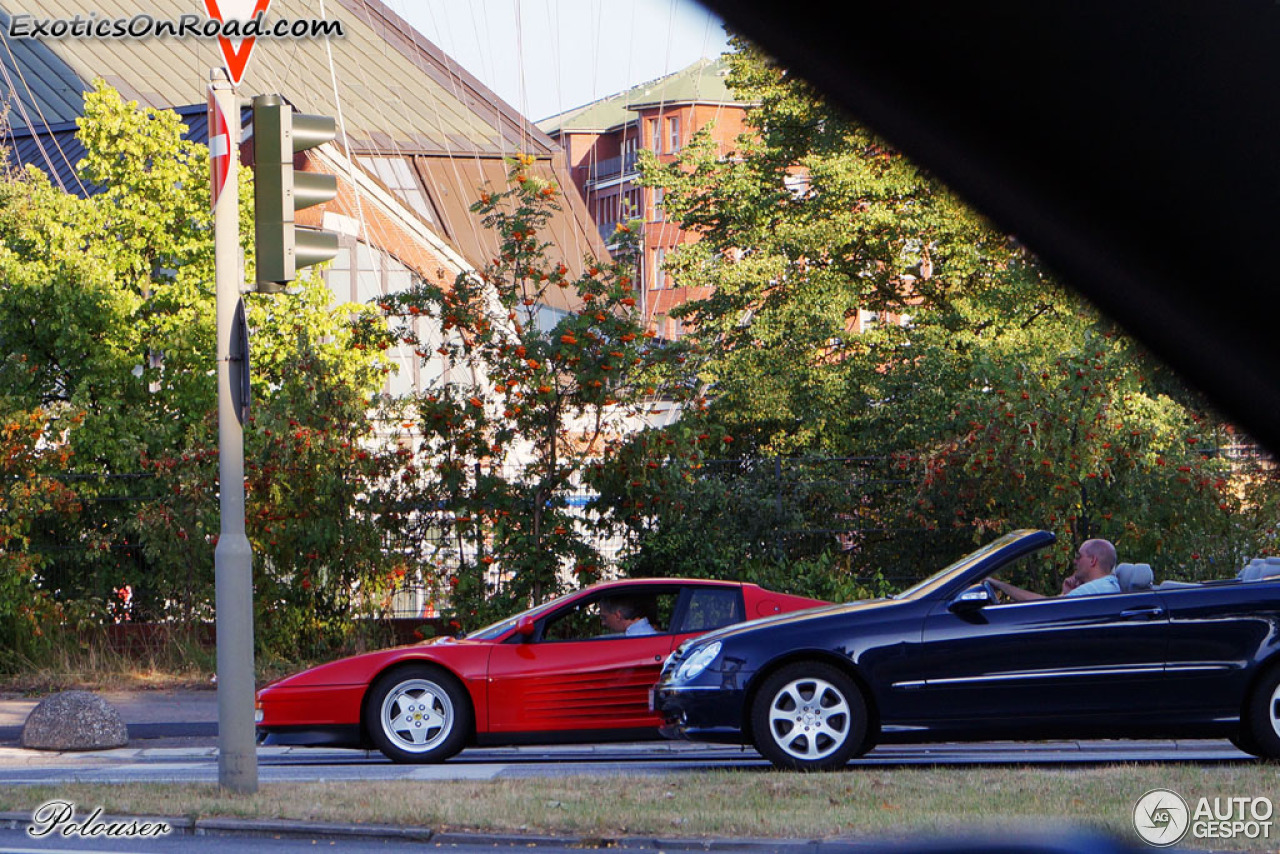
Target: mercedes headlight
[692,667]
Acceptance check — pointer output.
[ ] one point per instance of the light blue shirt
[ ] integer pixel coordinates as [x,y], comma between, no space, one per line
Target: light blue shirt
[643,627]
[1105,584]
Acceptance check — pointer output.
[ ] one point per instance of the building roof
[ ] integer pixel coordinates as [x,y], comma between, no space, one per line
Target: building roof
[704,82]
[395,89]
[394,94]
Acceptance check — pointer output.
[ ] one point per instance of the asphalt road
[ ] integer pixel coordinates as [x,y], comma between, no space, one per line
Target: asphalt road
[198,764]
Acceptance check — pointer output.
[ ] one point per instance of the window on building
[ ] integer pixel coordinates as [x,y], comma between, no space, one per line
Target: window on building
[659,279]
[659,194]
[547,317]
[635,199]
[655,135]
[365,274]
[369,269]
[673,134]
[399,177]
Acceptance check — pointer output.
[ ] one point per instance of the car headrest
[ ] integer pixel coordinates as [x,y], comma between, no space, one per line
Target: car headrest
[1134,576]
[1260,568]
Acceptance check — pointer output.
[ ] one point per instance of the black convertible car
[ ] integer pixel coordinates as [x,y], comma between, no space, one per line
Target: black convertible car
[947,660]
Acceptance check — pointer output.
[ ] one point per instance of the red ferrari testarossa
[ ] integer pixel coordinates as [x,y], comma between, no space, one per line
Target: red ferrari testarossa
[555,673]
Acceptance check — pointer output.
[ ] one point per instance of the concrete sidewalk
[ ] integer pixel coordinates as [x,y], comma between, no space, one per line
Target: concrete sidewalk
[176,717]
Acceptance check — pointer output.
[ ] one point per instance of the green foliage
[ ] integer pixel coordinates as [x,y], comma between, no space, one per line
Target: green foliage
[1084,447]
[107,315]
[1002,399]
[810,221]
[524,406]
[29,490]
[116,279]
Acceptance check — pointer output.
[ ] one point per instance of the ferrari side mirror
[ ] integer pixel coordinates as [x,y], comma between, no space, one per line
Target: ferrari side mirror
[525,626]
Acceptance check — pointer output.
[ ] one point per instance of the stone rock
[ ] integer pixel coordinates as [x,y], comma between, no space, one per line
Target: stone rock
[74,720]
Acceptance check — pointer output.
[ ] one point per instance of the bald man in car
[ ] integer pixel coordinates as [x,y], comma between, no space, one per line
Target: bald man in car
[1094,573]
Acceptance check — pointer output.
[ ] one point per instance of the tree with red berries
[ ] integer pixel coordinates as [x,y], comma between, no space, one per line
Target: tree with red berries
[530,402]
[30,491]
[859,309]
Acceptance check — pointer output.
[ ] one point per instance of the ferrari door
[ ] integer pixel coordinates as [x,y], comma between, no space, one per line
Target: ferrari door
[573,678]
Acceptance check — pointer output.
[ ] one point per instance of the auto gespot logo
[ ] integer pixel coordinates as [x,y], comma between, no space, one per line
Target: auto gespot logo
[1163,818]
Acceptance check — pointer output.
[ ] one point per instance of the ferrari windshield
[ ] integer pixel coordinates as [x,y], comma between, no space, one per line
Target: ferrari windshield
[501,627]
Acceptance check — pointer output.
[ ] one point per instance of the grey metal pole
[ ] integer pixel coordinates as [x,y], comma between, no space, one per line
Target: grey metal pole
[233,558]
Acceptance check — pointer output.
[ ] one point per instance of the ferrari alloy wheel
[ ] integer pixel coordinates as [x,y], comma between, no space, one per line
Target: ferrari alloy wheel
[1263,716]
[418,714]
[809,717]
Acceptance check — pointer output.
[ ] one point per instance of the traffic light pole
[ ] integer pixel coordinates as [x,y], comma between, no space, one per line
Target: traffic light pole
[233,558]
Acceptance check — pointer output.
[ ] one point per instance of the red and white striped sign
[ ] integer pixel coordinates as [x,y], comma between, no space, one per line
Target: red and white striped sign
[219,150]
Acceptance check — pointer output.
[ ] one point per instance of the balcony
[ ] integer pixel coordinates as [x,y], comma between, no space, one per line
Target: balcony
[610,168]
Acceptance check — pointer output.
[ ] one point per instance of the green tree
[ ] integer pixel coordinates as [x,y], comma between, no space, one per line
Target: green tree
[527,407]
[812,220]
[107,320]
[1001,398]
[107,301]
[29,490]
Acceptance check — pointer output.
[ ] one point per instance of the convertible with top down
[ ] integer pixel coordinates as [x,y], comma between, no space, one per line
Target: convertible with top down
[947,660]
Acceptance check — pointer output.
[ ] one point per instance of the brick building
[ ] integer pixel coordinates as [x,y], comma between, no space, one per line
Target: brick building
[601,141]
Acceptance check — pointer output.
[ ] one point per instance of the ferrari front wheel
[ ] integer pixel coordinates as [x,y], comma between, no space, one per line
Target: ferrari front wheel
[809,717]
[418,714]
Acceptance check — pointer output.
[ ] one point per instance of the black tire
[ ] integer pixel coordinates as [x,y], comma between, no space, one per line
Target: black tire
[419,714]
[1261,725]
[809,716]
[1243,740]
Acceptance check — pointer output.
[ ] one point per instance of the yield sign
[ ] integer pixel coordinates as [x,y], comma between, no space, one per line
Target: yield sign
[219,149]
[236,57]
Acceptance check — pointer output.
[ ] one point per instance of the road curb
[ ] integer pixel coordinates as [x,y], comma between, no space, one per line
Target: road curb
[309,829]
[184,826]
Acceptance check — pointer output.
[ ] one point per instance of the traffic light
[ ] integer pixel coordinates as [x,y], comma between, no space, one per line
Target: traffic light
[281,246]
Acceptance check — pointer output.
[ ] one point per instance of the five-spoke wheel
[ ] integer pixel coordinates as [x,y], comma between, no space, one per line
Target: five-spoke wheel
[418,714]
[809,717]
[1261,726]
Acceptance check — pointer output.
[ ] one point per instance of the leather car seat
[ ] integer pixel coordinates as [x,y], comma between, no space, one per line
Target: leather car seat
[1134,577]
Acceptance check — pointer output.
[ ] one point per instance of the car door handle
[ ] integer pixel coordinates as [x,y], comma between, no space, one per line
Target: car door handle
[1147,613]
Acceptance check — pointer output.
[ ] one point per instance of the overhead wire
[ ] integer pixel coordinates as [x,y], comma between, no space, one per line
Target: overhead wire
[451,68]
[54,172]
[458,90]
[342,130]
[557,54]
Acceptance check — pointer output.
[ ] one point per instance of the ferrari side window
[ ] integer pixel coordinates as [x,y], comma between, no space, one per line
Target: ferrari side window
[577,623]
[712,608]
[616,615]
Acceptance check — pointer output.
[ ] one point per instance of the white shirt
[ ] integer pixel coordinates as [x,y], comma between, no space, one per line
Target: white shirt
[641,627]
